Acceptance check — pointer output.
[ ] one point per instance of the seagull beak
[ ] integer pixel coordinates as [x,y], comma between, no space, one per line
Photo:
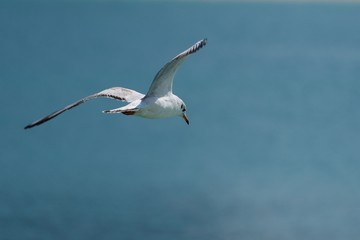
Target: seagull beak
[185,118]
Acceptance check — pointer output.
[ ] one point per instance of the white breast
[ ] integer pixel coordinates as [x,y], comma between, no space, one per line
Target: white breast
[163,107]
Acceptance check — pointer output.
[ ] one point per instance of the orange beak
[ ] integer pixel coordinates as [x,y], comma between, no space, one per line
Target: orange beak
[185,118]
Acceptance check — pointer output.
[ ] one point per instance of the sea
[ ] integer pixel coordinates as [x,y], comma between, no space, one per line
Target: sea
[272,151]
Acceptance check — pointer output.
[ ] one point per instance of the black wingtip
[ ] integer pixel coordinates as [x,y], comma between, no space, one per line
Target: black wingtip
[203,42]
[29,126]
[197,46]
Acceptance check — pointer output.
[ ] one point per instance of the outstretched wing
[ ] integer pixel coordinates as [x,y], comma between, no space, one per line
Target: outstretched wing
[162,83]
[118,93]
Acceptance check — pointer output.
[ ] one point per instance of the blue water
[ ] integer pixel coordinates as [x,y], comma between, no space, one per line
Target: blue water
[272,150]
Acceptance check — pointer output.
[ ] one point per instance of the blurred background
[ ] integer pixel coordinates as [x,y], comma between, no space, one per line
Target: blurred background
[272,150]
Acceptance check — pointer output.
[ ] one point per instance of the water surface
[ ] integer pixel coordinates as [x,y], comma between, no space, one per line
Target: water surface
[272,150]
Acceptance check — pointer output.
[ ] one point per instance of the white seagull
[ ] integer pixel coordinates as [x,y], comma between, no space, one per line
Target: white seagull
[159,102]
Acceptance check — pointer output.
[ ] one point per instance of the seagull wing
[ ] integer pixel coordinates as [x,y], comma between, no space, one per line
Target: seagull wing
[118,93]
[162,83]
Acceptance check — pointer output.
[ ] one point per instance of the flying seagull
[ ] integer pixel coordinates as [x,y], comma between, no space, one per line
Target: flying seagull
[159,102]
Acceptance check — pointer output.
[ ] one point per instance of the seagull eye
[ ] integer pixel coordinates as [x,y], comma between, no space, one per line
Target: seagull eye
[183,107]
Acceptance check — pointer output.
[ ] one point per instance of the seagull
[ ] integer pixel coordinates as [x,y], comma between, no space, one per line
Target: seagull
[159,101]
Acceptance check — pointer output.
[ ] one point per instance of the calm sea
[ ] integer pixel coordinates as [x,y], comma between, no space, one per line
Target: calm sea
[272,150]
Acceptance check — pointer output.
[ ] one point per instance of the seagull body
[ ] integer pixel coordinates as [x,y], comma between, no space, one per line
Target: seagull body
[159,102]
